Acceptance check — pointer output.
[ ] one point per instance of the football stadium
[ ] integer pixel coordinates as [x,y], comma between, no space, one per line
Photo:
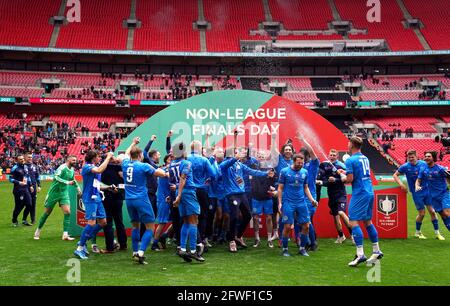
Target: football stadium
[224,143]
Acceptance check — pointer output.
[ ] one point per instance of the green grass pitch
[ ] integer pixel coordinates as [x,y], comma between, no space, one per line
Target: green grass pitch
[25,261]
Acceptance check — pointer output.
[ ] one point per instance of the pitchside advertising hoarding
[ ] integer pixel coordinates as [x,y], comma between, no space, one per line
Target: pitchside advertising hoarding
[258,118]
[93,101]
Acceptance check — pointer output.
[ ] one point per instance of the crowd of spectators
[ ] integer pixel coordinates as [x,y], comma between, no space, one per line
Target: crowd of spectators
[92,92]
[432,94]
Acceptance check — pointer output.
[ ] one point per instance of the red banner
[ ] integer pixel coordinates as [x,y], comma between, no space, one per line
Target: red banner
[71,101]
[306,103]
[336,103]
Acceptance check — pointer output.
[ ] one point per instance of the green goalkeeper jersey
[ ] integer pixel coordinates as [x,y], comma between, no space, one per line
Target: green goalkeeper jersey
[63,176]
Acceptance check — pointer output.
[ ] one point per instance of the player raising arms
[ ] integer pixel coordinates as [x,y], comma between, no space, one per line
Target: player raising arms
[59,194]
[180,171]
[92,199]
[436,178]
[292,188]
[311,164]
[233,171]
[361,203]
[139,207]
[282,160]
[163,212]
[411,170]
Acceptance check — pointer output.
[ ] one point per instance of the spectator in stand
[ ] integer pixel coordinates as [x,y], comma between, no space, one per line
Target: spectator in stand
[386,146]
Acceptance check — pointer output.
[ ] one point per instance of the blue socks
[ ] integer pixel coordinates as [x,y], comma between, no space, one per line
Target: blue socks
[357,235]
[435,224]
[447,222]
[189,231]
[192,237]
[285,242]
[135,237]
[418,226]
[297,230]
[373,234]
[97,228]
[145,241]
[280,226]
[312,234]
[304,240]
[184,235]
[85,235]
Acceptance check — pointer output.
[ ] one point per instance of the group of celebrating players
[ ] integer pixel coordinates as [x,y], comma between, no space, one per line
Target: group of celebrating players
[211,194]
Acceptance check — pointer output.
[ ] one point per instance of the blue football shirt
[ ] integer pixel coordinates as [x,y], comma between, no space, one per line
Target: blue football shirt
[135,178]
[294,182]
[91,184]
[435,178]
[412,173]
[359,166]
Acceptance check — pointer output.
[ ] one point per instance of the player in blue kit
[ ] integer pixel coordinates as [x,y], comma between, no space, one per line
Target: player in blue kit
[436,178]
[218,197]
[136,197]
[92,199]
[202,171]
[361,203]
[311,164]
[181,175]
[233,172]
[252,163]
[163,204]
[292,188]
[283,159]
[411,170]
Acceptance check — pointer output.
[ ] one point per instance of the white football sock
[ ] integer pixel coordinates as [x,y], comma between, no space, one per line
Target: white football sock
[375,247]
[360,251]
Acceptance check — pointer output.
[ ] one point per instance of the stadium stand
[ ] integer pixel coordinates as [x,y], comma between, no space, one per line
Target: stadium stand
[167,26]
[101,26]
[21,92]
[390,27]
[390,82]
[103,23]
[294,83]
[433,17]
[231,22]
[390,95]
[27,27]
[302,14]
[301,96]
[310,37]
[421,145]
[418,124]
[90,122]
[377,161]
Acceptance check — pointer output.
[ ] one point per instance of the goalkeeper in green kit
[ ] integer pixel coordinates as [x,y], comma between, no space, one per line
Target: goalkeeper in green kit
[59,193]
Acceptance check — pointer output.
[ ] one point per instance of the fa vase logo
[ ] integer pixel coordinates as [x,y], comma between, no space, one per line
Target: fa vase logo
[388,205]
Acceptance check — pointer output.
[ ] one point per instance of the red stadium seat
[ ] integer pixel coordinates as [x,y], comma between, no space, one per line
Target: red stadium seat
[167,26]
[390,27]
[100,27]
[435,18]
[419,124]
[231,21]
